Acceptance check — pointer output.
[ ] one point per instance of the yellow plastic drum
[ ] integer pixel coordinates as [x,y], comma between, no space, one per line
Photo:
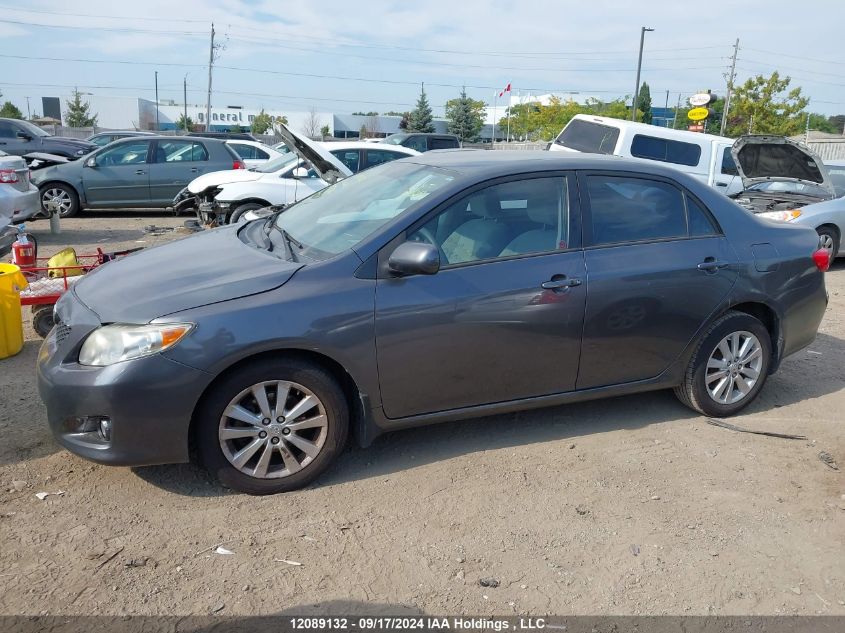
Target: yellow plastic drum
[11,323]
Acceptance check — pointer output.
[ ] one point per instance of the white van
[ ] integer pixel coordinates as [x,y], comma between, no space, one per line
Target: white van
[705,156]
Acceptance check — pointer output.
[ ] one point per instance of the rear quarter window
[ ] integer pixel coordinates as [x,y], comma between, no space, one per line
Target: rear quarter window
[585,136]
[665,150]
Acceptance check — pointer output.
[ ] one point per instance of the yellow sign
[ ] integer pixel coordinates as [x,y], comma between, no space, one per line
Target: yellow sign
[698,114]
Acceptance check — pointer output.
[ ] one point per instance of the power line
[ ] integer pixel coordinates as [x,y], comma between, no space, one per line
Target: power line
[102,28]
[91,15]
[835,62]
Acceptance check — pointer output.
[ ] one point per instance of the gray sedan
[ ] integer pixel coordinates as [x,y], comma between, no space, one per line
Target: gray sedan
[430,289]
[827,218]
[133,172]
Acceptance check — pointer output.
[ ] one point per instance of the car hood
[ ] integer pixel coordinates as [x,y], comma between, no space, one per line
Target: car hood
[327,166]
[206,268]
[217,178]
[762,158]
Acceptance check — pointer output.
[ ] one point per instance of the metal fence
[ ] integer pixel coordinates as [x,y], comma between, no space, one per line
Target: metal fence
[833,149]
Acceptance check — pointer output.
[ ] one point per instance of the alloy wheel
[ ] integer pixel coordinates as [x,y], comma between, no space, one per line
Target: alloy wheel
[826,243]
[57,200]
[733,367]
[273,429]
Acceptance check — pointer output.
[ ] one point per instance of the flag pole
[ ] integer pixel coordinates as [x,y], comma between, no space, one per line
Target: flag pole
[508,135]
[493,137]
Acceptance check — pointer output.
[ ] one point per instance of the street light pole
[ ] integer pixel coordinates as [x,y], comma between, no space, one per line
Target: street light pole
[639,68]
[158,127]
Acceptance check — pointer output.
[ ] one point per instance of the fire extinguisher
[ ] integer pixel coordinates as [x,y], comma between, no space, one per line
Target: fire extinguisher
[23,251]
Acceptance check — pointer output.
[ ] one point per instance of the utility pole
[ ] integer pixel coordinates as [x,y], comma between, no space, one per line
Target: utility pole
[158,127]
[666,109]
[639,68]
[185,97]
[28,112]
[677,107]
[731,79]
[210,66]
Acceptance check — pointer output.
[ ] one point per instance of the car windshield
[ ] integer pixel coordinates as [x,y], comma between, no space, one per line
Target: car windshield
[337,218]
[277,163]
[33,130]
[394,139]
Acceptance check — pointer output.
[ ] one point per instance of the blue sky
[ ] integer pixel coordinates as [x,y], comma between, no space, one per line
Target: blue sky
[372,55]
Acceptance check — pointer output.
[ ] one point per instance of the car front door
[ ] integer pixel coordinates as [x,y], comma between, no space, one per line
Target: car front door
[177,162]
[120,175]
[10,142]
[502,318]
[658,267]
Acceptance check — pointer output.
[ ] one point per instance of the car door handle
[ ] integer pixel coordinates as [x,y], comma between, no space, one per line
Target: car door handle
[140,172]
[194,170]
[721,184]
[710,265]
[559,282]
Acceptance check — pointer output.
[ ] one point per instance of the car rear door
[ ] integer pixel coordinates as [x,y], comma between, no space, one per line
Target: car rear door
[658,267]
[502,319]
[176,163]
[120,175]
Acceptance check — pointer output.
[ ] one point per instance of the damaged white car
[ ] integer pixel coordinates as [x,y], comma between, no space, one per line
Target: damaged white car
[226,196]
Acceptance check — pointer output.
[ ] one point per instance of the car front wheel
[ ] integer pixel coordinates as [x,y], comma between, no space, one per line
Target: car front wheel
[239,211]
[829,241]
[61,198]
[272,426]
[729,366]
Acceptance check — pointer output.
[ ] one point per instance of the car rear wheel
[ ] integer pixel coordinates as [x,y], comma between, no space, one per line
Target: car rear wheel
[272,426]
[59,197]
[729,366]
[42,320]
[829,241]
[240,211]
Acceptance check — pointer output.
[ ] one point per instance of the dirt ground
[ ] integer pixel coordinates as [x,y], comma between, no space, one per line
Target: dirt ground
[632,505]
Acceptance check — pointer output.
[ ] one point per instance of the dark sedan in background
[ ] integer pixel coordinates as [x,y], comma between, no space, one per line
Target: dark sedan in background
[133,172]
[429,289]
[22,137]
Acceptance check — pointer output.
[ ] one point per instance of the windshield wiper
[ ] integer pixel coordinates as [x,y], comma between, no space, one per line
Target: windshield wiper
[289,240]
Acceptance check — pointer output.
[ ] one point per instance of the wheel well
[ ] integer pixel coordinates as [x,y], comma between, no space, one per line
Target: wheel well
[769,319]
[251,201]
[833,227]
[350,388]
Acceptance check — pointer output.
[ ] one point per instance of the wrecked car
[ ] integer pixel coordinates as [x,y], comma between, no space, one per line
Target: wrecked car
[226,197]
[778,174]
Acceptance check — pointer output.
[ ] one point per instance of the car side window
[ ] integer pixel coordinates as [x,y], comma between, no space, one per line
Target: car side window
[519,217]
[728,163]
[665,150]
[244,151]
[7,130]
[700,223]
[349,157]
[625,209]
[180,151]
[379,156]
[260,154]
[125,154]
[417,143]
[443,143]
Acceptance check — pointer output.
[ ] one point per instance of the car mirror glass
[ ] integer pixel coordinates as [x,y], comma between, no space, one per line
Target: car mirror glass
[91,162]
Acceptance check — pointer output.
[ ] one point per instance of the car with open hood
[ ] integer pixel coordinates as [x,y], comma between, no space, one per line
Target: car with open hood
[434,288]
[310,166]
[778,174]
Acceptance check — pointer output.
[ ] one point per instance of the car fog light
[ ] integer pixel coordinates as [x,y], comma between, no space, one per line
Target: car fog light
[104,429]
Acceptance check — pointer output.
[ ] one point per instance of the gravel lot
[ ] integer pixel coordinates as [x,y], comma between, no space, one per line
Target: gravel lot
[632,505]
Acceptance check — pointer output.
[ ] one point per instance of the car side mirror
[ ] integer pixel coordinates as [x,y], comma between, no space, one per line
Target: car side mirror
[91,162]
[300,172]
[24,136]
[414,258]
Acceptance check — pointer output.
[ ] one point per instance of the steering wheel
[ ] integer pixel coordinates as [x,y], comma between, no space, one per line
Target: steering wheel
[428,236]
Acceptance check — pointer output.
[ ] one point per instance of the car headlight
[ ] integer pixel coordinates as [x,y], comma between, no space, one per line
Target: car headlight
[781,216]
[115,343]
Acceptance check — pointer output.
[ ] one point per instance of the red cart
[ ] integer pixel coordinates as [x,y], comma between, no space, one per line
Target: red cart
[48,283]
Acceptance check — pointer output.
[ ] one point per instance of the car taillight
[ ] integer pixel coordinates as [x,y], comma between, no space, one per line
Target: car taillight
[238,164]
[9,176]
[822,259]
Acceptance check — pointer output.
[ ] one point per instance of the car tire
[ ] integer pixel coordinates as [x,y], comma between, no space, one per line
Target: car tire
[829,240]
[297,456]
[64,194]
[42,320]
[717,363]
[239,211]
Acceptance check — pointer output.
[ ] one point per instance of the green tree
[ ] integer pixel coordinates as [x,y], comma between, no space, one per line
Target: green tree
[394,113]
[466,117]
[10,111]
[420,119]
[325,131]
[235,129]
[766,105]
[78,113]
[183,123]
[838,122]
[821,123]
[261,123]
[644,103]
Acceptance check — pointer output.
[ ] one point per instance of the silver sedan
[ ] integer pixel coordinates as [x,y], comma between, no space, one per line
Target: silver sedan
[827,218]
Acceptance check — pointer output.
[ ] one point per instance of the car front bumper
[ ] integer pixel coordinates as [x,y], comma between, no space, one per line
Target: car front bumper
[148,401]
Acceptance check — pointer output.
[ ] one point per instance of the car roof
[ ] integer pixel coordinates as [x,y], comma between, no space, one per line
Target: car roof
[124,132]
[332,145]
[482,163]
[181,137]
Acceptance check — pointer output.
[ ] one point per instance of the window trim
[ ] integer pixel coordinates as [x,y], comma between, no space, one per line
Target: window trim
[108,147]
[575,221]
[587,211]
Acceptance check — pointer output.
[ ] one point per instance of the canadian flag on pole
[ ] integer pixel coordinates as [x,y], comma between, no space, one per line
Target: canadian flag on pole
[507,89]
